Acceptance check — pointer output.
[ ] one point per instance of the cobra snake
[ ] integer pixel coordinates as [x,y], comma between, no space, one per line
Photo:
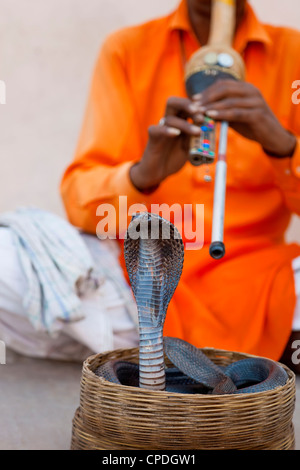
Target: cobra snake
[154,255]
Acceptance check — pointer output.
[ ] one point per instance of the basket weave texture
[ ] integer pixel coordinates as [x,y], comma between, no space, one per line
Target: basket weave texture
[116,417]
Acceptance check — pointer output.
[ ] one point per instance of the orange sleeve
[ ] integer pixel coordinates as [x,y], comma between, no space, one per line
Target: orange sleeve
[108,145]
[287,170]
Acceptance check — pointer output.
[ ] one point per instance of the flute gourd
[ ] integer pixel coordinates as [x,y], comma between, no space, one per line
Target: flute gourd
[217,60]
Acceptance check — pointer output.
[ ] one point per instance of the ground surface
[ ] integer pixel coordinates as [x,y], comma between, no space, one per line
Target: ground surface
[38,402]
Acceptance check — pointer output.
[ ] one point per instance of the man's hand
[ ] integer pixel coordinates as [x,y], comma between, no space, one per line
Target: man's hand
[168,145]
[243,106]
[239,103]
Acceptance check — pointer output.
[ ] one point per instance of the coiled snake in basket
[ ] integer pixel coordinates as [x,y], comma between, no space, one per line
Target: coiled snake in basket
[154,255]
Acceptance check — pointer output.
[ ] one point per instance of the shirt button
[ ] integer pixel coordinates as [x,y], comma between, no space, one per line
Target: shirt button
[298,169]
[287,171]
[207,178]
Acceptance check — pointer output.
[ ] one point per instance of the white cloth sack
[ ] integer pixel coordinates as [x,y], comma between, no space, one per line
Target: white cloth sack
[56,263]
[96,311]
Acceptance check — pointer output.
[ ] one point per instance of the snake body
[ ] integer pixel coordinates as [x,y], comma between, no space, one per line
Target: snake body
[154,255]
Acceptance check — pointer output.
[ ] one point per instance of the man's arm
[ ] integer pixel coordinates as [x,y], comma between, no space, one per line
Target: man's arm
[108,145]
[110,159]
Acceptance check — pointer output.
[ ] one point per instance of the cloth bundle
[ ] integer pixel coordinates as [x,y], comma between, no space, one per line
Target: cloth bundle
[57,265]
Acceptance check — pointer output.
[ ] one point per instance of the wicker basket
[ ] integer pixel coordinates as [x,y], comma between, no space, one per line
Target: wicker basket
[116,417]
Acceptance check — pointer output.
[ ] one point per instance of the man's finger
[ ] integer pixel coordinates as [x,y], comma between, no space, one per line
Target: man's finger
[223,89]
[181,107]
[231,103]
[173,126]
[183,125]
[242,115]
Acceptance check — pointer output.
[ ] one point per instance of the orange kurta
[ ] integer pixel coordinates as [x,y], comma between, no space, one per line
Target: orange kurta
[244,302]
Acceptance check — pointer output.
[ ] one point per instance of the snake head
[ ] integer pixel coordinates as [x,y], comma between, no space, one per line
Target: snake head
[154,255]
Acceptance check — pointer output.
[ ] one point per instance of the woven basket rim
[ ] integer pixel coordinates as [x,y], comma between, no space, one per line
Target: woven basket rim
[93,361]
